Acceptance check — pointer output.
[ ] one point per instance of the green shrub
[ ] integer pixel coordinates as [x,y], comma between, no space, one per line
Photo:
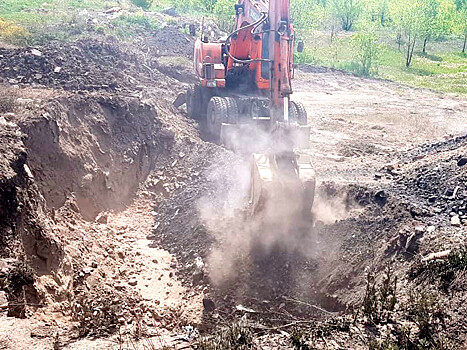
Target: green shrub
[306,57]
[12,33]
[144,4]
[195,5]
[368,51]
[224,11]
[128,24]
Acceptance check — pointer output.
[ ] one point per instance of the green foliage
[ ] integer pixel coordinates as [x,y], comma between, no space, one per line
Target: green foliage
[368,50]
[426,311]
[307,14]
[126,25]
[144,4]
[380,302]
[306,57]
[224,10]
[237,336]
[12,33]
[195,5]
[377,11]
[347,12]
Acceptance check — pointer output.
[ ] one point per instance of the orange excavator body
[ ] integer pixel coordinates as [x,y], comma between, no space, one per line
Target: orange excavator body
[245,83]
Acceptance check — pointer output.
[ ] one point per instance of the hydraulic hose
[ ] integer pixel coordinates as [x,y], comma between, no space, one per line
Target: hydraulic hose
[255,25]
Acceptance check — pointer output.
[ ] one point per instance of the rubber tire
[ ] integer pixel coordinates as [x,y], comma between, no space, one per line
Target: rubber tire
[194,102]
[217,114]
[298,113]
[232,110]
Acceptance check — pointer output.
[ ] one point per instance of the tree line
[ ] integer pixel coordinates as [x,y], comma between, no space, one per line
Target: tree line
[413,22]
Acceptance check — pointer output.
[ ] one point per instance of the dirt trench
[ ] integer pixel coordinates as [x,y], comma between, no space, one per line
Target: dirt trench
[96,148]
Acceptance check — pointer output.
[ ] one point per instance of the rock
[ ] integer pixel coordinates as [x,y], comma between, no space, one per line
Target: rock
[209,305]
[462,161]
[87,270]
[119,286]
[133,282]
[3,300]
[436,256]
[430,229]
[381,198]
[57,69]
[36,52]
[420,229]
[94,265]
[113,10]
[334,157]
[120,253]
[456,221]
[171,11]
[102,218]
[24,101]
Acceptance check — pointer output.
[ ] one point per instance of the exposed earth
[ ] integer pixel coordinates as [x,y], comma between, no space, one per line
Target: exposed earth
[122,228]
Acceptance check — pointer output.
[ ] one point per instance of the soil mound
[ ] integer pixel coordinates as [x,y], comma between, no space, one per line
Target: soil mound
[83,65]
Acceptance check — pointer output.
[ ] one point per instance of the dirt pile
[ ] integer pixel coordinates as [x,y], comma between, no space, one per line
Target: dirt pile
[437,181]
[29,247]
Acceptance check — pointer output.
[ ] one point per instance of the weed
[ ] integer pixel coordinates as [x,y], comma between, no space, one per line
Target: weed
[307,57]
[380,302]
[144,4]
[12,33]
[299,341]
[96,317]
[235,337]
[382,345]
[445,273]
[427,313]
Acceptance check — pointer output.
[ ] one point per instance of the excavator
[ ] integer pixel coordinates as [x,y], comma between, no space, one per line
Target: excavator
[243,101]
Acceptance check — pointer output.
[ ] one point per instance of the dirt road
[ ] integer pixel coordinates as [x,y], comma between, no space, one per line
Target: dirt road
[366,123]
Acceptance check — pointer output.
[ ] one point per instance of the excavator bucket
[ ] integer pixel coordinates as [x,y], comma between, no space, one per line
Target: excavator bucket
[282,186]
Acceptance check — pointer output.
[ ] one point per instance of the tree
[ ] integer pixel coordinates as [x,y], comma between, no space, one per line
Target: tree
[438,19]
[307,14]
[347,11]
[429,11]
[460,26]
[376,10]
[367,48]
[408,17]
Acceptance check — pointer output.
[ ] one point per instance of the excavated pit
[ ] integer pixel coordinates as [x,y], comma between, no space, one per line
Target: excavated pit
[98,148]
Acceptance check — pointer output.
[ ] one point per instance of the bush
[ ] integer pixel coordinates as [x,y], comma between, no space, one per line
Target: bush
[368,51]
[306,57]
[144,4]
[225,14]
[380,302]
[195,5]
[12,33]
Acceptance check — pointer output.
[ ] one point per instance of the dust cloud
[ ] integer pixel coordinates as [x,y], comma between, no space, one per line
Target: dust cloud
[280,225]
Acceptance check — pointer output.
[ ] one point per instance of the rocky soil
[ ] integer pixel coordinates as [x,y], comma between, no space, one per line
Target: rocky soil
[122,228]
